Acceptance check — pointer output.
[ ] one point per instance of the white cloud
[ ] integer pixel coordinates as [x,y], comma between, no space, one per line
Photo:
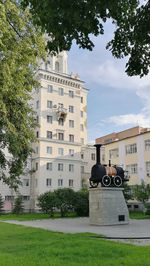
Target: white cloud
[130,119]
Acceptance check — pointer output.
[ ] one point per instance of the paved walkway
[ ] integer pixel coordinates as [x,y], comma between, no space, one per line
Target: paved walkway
[135,229]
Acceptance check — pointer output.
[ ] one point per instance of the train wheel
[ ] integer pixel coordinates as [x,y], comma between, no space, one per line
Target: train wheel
[106,181]
[117,181]
[93,184]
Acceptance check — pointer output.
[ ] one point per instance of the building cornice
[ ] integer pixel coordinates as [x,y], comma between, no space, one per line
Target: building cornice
[62,79]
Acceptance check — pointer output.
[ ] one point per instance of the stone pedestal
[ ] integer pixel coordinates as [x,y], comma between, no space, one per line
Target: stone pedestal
[107,206]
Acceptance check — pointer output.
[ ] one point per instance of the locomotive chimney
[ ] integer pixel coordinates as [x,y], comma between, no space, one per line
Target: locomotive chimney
[98,155]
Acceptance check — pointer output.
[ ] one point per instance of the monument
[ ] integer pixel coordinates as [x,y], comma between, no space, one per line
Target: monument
[107,205]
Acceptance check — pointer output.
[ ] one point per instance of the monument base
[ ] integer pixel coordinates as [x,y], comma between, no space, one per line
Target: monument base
[107,206]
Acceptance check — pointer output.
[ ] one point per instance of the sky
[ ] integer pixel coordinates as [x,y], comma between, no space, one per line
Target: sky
[115,101]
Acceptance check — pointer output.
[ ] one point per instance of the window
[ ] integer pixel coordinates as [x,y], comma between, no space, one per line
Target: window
[131,148]
[60,182]
[9,198]
[48,182]
[49,150]
[82,156]
[37,119]
[148,168]
[81,99]
[36,150]
[37,104]
[82,141]
[81,113]
[71,168]
[114,153]
[132,169]
[49,166]
[71,109]
[81,127]
[57,66]
[61,136]
[37,134]
[82,169]
[71,152]
[60,167]
[71,94]
[46,66]
[70,182]
[60,105]
[49,134]
[61,121]
[93,156]
[147,144]
[61,91]
[61,151]
[49,88]
[25,197]
[49,104]
[49,119]
[71,123]
[25,182]
[36,166]
[71,138]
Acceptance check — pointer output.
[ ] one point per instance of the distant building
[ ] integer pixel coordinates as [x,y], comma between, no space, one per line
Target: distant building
[61,155]
[130,149]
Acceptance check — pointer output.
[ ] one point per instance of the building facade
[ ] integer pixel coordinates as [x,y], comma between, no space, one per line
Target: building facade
[131,150]
[60,103]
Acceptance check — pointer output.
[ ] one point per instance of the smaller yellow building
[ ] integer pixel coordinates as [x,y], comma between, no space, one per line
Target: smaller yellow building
[131,150]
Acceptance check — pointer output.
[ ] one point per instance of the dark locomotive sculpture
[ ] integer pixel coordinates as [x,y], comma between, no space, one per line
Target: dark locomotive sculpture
[108,176]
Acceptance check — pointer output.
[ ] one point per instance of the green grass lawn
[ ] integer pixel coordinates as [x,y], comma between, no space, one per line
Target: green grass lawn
[31,216]
[25,246]
[36,216]
[139,215]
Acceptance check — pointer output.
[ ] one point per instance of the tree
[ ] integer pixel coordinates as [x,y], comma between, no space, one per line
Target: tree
[20,45]
[1,203]
[81,202]
[46,202]
[64,200]
[142,192]
[66,21]
[127,192]
[18,205]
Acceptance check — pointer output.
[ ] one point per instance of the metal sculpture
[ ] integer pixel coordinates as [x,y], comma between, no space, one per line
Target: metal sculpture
[107,175]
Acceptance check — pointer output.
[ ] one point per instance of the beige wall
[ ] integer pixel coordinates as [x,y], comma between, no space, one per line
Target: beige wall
[140,157]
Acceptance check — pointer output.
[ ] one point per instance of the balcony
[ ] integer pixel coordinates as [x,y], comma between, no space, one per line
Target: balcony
[61,113]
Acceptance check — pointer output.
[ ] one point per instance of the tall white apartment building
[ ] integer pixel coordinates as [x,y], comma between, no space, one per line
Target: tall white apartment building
[60,104]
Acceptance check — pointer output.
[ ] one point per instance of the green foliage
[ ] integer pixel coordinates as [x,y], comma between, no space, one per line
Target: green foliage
[81,203]
[18,205]
[64,200]
[141,192]
[66,21]
[147,208]
[1,203]
[20,44]
[127,192]
[46,202]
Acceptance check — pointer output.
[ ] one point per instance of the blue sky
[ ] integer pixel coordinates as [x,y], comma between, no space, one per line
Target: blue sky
[115,101]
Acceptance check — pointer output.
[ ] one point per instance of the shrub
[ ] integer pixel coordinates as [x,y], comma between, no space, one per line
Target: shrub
[142,192]
[81,202]
[1,203]
[147,208]
[64,200]
[18,205]
[47,203]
